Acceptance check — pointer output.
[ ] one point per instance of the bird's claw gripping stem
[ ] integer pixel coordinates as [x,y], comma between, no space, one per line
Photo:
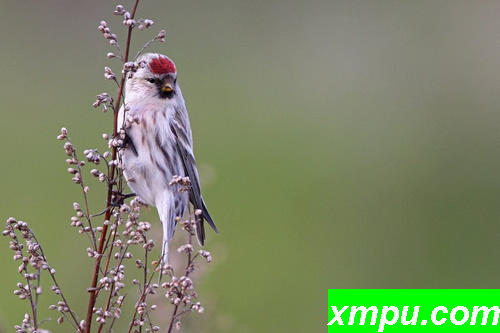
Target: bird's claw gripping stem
[118,198]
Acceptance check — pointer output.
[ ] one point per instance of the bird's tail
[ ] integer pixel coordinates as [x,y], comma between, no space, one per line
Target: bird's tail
[167,218]
[200,218]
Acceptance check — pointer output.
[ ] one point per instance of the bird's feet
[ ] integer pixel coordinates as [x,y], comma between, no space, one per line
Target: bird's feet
[118,198]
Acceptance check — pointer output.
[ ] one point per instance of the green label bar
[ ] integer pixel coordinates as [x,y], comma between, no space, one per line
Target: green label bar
[413,310]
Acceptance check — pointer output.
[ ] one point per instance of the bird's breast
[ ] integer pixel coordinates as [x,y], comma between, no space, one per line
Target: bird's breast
[153,161]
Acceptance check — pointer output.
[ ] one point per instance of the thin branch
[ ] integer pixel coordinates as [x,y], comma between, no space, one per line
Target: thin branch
[85,197]
[144,293]
[30,297]
[145,47]
[114,317]
[108,303]
[54,280]
[95,277]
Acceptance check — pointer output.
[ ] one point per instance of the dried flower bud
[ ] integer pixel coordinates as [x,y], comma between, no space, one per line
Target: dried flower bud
[108,74]
[161,36]
[103,99]
[63,135]
[206,255]
[69,149]
[129,66]
[119,10]
[186,248]
[77,179]
[129,22]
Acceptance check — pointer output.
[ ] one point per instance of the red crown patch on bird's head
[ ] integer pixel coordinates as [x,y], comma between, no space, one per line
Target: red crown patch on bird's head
[162,65]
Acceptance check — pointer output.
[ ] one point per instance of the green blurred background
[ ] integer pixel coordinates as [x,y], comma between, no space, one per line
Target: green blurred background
[340,143]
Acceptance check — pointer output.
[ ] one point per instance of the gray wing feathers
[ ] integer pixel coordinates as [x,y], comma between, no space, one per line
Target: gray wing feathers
[185,150]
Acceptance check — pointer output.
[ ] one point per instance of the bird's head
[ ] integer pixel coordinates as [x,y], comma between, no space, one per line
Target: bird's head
[156,77]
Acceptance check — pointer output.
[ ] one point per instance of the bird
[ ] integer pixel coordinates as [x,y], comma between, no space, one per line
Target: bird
[158,145]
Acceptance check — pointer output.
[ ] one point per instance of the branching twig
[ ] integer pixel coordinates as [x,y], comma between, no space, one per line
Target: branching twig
[95,277]
[34,257]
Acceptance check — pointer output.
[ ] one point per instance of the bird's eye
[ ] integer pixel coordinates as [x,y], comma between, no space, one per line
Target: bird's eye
[151,80]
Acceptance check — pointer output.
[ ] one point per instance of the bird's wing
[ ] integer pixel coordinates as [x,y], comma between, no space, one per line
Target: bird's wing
[180,128]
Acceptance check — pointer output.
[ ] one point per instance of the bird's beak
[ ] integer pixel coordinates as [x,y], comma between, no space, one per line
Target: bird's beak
[167,87]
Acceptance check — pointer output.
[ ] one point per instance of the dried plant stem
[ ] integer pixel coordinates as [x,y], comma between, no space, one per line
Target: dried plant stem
[108,259]
[144,294]
[187,271]
[95,277]
[110,328]
[145,46]
[75,321]
[85,198]
[87,211]
[54,280]
[108,302]
[174,315]
[32,301]
[146,287]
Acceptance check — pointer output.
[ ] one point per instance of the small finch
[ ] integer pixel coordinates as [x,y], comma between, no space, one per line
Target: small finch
[159,145]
